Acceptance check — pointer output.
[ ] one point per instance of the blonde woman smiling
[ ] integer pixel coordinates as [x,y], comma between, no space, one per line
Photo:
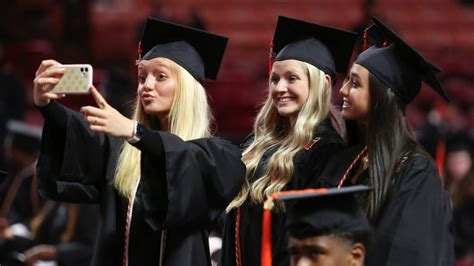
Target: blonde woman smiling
[293,135]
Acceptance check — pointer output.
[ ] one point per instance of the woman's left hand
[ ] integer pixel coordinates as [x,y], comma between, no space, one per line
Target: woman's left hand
[107,119]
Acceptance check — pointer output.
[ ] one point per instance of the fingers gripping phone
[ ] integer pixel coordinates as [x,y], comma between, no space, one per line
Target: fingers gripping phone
[77,79]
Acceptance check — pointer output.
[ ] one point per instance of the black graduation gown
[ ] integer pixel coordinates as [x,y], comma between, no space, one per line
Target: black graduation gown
[416,225]
[21,209]
[308,164]
[184,185]
[76,252]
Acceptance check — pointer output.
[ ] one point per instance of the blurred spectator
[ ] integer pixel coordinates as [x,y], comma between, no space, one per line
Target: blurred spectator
[19,199]
[459,176]
[444,121]
[62,233]
[12,98]
[29,232]
[464,231]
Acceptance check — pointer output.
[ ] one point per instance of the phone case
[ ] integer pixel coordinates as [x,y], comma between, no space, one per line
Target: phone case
[77,79]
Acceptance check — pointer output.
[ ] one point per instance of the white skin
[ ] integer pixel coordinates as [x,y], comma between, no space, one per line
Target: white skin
[355,94]
[289,88]
[155,89]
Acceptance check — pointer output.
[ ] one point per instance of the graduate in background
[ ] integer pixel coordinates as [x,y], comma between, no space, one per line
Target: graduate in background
[161,179]
[61,234]
[409,208]
[30,229]
[293,134]
[19,198]
[327,227]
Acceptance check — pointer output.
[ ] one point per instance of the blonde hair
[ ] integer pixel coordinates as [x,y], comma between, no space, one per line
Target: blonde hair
[274,131]
[189,118]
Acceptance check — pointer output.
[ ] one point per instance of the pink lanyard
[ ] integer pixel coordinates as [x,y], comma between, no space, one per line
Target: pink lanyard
[351,166]
[128,223]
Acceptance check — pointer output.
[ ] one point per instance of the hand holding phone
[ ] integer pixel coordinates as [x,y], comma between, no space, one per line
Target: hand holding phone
[77,79]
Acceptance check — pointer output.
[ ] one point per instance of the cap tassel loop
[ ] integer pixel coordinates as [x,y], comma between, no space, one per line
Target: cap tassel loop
[266,259]
[365,46]
[271,57]
[266,244]
[139,52]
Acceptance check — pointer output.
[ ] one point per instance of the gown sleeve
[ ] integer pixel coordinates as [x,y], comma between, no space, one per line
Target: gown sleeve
[71,160]
[187,183]
[416,227]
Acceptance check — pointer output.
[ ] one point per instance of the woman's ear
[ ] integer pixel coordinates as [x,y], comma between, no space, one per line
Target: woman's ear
[329,80]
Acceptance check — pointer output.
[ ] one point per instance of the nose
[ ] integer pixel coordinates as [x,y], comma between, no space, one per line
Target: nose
[344,90]
[148,84]
[281,86]
[303,261]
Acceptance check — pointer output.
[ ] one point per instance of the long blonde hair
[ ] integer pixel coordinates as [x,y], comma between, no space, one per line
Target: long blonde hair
[189,118]
[274,131]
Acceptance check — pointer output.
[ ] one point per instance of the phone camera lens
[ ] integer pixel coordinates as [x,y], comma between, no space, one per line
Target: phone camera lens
[87,70]
[82,69]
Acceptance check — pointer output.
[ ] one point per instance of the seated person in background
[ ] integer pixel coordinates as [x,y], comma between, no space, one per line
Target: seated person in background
[326,227]
[19,199]
[61,234]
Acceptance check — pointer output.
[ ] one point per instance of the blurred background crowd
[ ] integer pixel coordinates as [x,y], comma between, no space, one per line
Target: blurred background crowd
[105,34]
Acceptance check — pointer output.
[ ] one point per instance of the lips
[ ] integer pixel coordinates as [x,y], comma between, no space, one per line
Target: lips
[146,97]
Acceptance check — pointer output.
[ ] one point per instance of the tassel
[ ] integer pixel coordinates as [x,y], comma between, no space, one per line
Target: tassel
[271,58]
[365,46]
[139,52]
[266,244]
[440,155]
[266,249]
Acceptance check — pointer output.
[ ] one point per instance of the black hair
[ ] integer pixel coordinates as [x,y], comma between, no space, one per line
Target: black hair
[391,139]
[363,237]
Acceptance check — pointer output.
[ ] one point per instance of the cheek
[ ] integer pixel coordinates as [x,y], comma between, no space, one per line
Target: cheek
[166,90]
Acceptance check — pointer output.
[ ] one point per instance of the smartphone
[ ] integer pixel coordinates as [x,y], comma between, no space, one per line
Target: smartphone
[77,79]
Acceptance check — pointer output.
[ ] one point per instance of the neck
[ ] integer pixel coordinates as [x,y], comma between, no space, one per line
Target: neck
[164,124]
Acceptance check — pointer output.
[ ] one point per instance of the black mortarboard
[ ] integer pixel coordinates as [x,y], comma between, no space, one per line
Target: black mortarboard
[197,51]
[23,136]
[398,65]
[329,49]
[334,210]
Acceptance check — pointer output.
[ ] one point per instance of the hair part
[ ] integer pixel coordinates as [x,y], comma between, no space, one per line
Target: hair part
[273,131]
[189,118]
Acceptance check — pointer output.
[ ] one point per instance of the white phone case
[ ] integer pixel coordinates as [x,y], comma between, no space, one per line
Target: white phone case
[77,79]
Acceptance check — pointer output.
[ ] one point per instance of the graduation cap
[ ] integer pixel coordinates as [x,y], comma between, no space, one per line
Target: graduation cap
[24,136]
[334,211]
[397,64]
[314,212]
[197,51]
[329,49]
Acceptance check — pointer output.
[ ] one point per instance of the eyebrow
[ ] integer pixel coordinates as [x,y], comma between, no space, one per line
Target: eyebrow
[154,67]
[290,71]
[353,74]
